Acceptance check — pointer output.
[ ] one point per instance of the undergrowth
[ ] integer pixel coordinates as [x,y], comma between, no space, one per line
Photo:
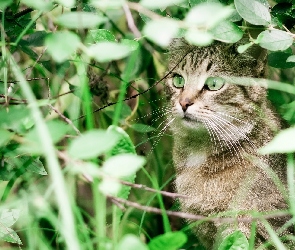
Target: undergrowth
[86,159]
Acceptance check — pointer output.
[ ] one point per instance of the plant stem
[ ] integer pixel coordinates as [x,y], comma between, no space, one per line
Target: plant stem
[4,56]
[124,84]
[291,185]
[100,214]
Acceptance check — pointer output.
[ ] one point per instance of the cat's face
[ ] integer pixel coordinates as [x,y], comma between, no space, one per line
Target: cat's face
[201,97]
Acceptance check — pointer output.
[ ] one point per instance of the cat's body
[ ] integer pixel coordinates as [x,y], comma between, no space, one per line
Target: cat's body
[218,128]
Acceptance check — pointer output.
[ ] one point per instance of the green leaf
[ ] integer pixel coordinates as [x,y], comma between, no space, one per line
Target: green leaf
[283,142]
[5,136]
[28,162]
[235,16]
[156,4]
[132,44]
[274,40]
[37,166]
[39,5]
[109,187]
[279,59]
[109,51]
[106,4]
[7,218]
[100,35]
[36,39]
[92,144]
[123,165]
[32,143]
[14,117]
[124,145]
[67,3]
[61,45]
[244,47]
[199,38]
[227,32]
[4,4]
[9,235]
[56,128]
[193,3]
[142,128]
[291,59]
[254,11]
[161,31]
[131,242]
[80,20]
[201,15]
[168,241]
[236,240]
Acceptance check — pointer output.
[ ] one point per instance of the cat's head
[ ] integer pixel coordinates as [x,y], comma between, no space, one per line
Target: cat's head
[200,95]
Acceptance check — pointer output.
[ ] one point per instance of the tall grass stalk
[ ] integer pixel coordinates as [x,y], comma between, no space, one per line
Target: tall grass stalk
[4,56]
[291,184]
[62,195]
[273,236]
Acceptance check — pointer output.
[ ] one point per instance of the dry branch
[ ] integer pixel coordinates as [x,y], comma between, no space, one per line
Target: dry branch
[193,217]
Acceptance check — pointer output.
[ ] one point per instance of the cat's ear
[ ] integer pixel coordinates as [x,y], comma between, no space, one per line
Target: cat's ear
[178,44]
[254,57]
[260,54]
[177,49]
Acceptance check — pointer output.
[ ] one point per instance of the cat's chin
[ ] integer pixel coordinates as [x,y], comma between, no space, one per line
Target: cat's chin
[192,124]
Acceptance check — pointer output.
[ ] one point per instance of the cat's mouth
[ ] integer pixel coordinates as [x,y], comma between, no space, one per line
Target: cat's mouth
[188,118]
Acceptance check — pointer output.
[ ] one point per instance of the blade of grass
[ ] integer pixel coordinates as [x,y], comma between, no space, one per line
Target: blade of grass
[116,118]
[274,237]
[166,222]
[4,56]
[81,66]
[252,236]
[124,84]
[291,184]
[152,197]
[100,215]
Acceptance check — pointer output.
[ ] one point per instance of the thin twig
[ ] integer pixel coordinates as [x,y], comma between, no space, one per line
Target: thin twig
[130,21]
[194,217]
[89,178]
[28,80]
[67,120]
[15,99]
[165,193]
[139,8]
[118,204]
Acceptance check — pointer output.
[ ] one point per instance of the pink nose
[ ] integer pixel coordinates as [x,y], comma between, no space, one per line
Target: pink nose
[185,103]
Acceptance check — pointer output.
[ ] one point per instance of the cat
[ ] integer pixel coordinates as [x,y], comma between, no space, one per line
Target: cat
[218,128]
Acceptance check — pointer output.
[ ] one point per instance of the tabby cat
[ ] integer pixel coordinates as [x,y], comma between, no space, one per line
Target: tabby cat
[218,128]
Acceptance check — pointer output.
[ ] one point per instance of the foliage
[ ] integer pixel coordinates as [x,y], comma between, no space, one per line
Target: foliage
[83,112]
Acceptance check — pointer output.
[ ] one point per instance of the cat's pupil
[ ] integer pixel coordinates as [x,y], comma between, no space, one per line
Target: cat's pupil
[178,81]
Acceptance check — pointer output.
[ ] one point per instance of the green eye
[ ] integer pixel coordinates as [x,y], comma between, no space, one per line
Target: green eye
[178,81]
[214,83]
